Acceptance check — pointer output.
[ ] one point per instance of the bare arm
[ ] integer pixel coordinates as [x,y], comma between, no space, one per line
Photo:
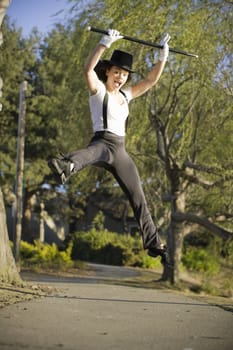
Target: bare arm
[90,74]
[154,75]
[151,80]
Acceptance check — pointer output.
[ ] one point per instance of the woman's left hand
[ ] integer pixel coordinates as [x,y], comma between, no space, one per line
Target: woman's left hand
[163,53]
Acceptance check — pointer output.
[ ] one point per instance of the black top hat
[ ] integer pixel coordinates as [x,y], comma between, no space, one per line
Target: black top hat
[121,59]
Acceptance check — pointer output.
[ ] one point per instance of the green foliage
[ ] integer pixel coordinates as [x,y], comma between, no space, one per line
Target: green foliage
[227,253]
[147,262]
[27,250]
[45,255]
[98,221]
[201,260]
[16,62]
[192,101]
[205,253]
[110,248]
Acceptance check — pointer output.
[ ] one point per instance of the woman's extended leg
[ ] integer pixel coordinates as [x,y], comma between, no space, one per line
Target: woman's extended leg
[126,173]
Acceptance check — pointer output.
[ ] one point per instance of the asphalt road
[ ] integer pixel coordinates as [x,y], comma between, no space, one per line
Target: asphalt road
[89,314]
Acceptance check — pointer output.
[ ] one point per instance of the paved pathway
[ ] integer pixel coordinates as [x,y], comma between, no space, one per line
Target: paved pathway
[89,314]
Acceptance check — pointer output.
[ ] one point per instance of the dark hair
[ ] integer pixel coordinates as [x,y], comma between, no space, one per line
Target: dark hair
[102,67]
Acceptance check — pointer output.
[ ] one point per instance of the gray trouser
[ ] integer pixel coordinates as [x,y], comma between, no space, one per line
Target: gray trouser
[108,151]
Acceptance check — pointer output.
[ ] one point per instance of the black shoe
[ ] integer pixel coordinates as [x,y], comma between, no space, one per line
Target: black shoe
[60,167]
[160,250]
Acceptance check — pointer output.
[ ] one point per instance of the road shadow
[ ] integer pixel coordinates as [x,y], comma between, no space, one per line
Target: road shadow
[131,301]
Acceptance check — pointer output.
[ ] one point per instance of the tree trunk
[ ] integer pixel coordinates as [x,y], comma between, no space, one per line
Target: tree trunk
[27,231]
[42,228]
[175,238]
[8,270]
[3,7]
[20,171]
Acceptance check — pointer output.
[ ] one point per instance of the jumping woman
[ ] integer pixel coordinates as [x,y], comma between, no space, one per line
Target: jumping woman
[108,99]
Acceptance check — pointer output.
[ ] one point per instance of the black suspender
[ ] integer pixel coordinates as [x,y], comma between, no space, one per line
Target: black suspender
[105,107]
[124,94]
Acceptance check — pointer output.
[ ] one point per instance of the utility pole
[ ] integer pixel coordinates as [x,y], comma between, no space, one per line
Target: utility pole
[19,171]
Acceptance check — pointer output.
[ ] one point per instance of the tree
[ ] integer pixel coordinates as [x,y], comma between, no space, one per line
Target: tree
[181,115]
[8,271]
[192,152]
[185,138]
[16,60]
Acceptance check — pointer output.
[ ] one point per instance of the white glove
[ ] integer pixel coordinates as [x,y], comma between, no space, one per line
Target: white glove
[113,35]
[163,53]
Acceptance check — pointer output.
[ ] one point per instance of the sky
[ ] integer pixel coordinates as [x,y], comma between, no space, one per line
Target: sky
[42,14]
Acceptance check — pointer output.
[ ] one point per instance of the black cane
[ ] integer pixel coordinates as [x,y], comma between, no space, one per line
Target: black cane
[143,42]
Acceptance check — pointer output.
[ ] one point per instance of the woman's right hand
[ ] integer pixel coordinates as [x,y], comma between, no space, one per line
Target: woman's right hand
[108,40]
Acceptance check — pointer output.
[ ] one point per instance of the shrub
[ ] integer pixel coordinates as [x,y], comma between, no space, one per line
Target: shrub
[227,253]
[200,260]
[45,255]
[147,262]
[102,246]
[27,250]
[98,246]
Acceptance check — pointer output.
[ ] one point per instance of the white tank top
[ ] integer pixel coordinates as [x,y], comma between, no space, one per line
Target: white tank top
[116,114]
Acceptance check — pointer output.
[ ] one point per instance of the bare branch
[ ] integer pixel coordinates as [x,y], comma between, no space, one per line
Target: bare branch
[198,180]
[210,170]
[189,217]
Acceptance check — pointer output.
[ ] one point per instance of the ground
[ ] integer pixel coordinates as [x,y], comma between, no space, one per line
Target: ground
[10,294]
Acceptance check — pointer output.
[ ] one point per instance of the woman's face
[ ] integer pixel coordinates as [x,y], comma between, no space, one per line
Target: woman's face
[116,78]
